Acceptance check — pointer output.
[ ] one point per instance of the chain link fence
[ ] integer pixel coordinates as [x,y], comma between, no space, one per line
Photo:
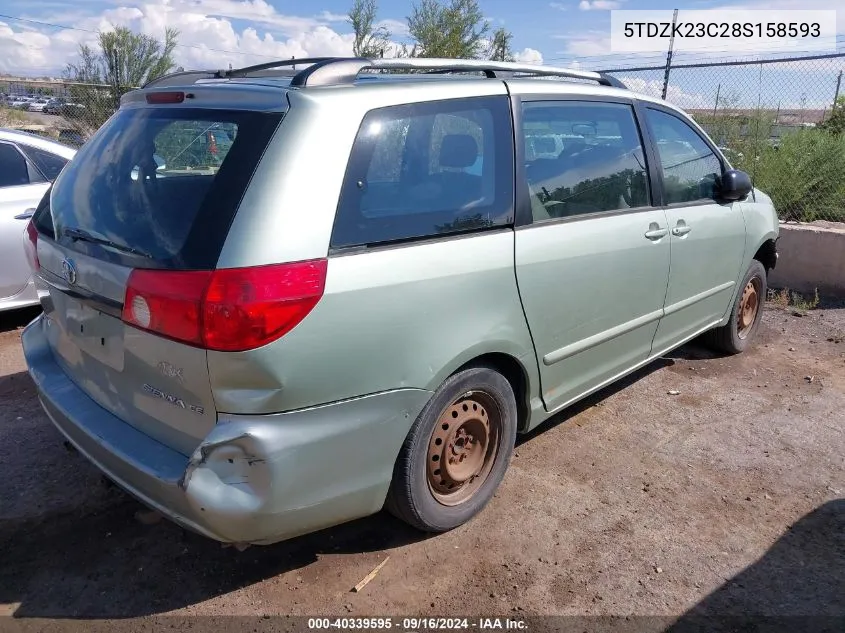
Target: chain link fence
[769,116]
[65,111]
[772,118]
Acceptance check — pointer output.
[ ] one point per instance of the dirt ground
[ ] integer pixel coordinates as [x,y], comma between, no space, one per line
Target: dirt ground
[726,498]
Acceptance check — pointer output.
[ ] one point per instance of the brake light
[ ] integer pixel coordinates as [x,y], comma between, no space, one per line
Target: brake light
[231,309]
[165,97]
[30,246]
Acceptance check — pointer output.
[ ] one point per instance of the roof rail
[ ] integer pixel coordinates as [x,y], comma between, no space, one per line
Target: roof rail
[269,69]
[333,71]
[341,70]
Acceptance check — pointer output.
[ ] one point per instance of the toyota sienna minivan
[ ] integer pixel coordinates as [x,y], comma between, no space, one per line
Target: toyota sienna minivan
[364,294]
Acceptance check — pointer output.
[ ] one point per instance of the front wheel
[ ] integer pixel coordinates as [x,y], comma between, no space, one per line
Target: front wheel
[457,452]
[737,334]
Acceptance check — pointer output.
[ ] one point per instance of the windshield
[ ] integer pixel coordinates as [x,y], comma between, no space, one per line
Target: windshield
[165,182]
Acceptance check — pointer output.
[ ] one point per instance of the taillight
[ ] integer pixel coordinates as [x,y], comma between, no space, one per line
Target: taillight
[231,309]
[30,246]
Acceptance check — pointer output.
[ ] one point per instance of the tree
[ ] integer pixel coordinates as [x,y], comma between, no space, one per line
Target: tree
[124,61]
[835,123]
[455,30]
[500,47]
[370,40]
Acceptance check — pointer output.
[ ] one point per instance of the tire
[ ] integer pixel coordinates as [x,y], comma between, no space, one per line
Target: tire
[737,334]
[435,499]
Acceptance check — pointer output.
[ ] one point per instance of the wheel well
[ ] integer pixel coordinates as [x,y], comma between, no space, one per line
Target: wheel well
[514,373]
[767,255]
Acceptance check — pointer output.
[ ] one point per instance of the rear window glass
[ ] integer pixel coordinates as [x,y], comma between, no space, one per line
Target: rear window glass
[428,169]
[161,185]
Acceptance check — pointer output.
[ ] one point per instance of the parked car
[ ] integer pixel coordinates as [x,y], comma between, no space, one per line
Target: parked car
[71,137]
[28,164]
[72,110]
[365,297]
[37,105]
[54,106]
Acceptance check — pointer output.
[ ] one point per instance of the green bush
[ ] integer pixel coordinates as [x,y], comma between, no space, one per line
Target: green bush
[804,175]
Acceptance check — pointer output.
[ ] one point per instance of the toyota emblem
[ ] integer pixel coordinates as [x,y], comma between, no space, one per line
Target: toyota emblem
[69,271]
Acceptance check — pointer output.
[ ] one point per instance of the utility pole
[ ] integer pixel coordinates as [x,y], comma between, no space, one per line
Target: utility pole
[716,105]
[836,95]
[669,55]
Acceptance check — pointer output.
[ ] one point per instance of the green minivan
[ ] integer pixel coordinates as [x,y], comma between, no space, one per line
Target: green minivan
[389,269]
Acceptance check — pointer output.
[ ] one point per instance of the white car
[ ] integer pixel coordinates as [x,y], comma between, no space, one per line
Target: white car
[38,105]
[28,164]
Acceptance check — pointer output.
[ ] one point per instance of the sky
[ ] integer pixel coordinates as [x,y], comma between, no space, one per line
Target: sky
[39,37]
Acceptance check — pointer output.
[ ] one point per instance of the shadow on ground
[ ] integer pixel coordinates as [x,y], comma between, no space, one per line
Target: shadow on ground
[797,585]
[14,319]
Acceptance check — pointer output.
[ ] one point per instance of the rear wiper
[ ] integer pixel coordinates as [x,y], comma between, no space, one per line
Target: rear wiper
[85,236]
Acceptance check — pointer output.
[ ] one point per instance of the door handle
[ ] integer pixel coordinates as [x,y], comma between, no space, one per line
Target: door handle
[655,232]
[25,215]
[681,230]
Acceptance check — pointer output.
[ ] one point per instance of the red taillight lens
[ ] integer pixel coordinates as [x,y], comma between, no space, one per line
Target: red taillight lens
[31,246]
[167,302]
[232,309]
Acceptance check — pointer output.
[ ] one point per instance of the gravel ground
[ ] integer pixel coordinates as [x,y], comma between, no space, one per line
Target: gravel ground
[727,498]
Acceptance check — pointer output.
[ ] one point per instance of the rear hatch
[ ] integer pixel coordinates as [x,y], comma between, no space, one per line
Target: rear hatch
[126,241]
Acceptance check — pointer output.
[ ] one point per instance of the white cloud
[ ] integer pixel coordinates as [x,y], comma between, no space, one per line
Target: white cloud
[558,5]
[395,27]
[529,56]
[598,5]
[328,16]
[674,94]
[586,44]
[208,36]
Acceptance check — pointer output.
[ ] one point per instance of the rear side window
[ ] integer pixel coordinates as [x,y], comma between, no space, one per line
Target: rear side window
[428,169]
[48,164]
[161,185]
[590,160]
[15,170]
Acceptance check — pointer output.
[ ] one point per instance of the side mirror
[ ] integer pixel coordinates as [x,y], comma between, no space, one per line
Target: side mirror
[734,185]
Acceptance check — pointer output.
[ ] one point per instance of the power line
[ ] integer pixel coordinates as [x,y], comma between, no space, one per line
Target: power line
[76,28]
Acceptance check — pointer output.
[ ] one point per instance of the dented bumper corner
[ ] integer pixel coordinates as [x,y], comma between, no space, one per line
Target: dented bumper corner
[253,479]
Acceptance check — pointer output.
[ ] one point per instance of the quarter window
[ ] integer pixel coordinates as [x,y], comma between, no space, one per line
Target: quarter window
[428,169]
[582,157]
[690,168]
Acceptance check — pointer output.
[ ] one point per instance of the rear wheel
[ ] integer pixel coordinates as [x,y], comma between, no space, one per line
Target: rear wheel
[737,334]
[456,453]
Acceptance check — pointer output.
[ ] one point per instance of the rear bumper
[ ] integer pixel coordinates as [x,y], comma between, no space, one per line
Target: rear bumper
[254,479]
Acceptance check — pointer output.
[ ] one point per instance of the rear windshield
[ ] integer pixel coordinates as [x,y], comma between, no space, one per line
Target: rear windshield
[158,187]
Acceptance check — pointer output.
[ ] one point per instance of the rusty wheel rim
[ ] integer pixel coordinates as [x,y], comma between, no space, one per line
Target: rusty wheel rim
[749,305]
[462,448]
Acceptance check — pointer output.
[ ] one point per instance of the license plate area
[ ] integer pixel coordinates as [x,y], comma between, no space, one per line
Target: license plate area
[89,330]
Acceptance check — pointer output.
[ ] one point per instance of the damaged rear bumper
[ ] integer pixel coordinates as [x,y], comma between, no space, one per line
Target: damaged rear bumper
[254,479]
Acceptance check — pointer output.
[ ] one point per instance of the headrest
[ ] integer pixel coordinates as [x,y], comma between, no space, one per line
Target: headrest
[458,150]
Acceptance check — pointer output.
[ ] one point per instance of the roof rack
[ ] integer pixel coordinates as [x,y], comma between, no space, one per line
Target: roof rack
[334,71]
